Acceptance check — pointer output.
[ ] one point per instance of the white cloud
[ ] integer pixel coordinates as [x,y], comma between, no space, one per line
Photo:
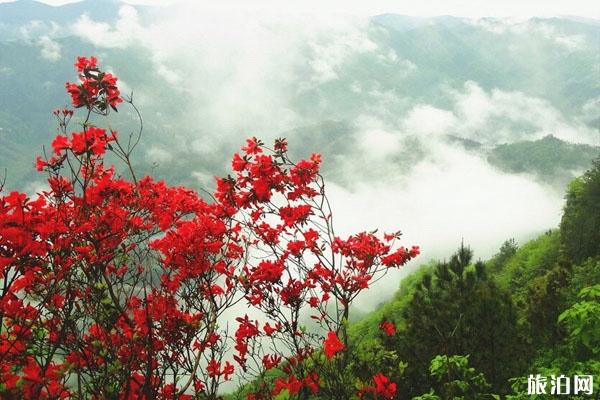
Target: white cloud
[329,53]
[569,42]
[50,50]
[31,29]
[6,71]
[495,116]
[450,196]
[158,154]
[591,109]
[572,42]
[391,57]
[376,140]
[426,119]
[251,63]
[168,74]
[33,188]
[125,32]
[500,116]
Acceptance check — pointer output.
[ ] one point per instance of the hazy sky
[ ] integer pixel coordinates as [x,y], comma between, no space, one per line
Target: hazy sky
[468,8]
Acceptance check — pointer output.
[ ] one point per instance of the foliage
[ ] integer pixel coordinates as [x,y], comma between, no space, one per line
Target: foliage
[507,251]
[456,380]
[580,224]
[577,353]
[583,320]
[533,259]
[459,310]
[583,275]
[549,158]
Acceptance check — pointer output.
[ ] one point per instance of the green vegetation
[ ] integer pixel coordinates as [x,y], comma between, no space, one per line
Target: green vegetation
[455,379]
[477,330]
[581,236]
[550,159]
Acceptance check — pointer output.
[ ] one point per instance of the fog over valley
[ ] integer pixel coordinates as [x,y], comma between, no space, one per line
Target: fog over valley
[448,128]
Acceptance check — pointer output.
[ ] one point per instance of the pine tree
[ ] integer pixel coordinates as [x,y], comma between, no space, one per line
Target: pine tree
[460,311]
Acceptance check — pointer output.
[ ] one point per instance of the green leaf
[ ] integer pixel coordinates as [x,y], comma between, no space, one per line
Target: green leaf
[283,395]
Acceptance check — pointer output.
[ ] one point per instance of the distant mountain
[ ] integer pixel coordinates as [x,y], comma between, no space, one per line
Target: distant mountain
[549,158]
[554,59]
[23,11]
[392,66]
[403,23]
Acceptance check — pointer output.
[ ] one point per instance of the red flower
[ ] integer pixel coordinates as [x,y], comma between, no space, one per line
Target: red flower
[267,271]
[97,90]
[269,330]
[295,215]
[261,189]
[84,63]
[332,345]
[388,328]
[214,369]
[60,143]
[292,384]
[271,361]
[252,146]
[384,387]
[40,164]
[238,163]
[312,382]
[32,371]
[281,145]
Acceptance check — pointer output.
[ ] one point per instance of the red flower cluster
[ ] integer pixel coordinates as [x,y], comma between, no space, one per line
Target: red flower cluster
[121,285]
[246,331]
[332,345]
[91,142]
[388,328]
[96,89]
[214,369]
[282,206]
[383,388]
[293,385]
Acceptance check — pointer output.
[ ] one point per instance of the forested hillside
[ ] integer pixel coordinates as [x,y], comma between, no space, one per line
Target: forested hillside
[529,309]
[468,329]
[550,159]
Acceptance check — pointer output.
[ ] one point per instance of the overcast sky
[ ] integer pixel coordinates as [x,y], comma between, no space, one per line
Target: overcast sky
[467,8]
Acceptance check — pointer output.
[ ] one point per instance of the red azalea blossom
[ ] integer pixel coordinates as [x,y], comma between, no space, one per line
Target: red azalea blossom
[97,90]
[271,361]
[332,345]
[388,328]
[384,387]
[84,63]
[281,145]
